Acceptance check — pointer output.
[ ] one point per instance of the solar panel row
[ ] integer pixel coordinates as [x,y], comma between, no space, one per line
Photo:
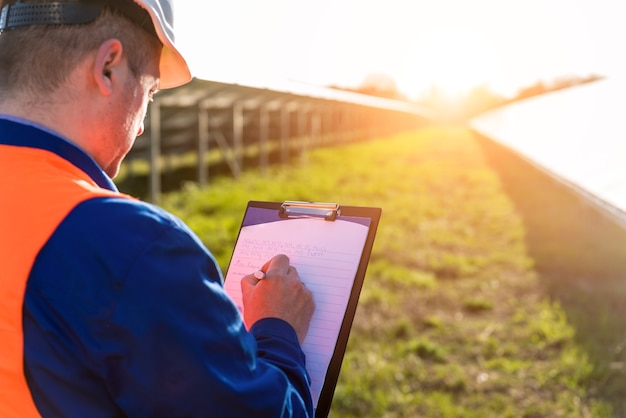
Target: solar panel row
[576,135]
[234,119]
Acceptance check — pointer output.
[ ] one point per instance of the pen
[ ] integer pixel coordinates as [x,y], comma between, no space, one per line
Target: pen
[259,275]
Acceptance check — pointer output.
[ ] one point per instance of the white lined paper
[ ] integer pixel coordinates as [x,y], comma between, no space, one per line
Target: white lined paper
[326,255]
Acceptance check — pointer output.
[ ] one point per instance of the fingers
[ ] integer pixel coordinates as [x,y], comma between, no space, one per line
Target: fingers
[280,294]
[276,266]
[248,280]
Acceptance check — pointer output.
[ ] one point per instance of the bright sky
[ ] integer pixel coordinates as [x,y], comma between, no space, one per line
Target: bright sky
[454,44]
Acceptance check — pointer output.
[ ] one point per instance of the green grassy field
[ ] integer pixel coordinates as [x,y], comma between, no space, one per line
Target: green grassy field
[491,292]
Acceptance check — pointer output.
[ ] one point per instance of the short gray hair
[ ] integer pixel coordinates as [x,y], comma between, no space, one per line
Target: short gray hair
[37,59]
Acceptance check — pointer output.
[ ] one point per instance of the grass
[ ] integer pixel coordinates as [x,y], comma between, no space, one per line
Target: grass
[467,309]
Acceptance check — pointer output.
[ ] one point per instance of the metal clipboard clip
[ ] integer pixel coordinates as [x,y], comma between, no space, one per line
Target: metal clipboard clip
[326,211]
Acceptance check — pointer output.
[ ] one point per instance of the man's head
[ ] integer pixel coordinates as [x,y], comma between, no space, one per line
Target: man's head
[87,68]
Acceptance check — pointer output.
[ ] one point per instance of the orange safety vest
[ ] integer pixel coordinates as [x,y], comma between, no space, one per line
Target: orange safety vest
[38,190]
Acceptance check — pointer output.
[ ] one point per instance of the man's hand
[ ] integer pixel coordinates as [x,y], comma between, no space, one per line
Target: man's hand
[280,294]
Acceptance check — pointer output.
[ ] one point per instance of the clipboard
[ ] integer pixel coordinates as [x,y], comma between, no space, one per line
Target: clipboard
[330,245]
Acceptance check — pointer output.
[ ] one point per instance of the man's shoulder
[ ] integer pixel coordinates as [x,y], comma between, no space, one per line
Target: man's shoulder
[118,233]
[124,219]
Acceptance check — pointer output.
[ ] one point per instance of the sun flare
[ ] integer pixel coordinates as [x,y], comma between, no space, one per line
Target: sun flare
[455,62]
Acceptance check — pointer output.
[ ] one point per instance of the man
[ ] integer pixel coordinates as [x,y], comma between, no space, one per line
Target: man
[109,306]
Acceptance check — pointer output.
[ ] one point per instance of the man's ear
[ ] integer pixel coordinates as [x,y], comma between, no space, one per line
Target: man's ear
[107,62]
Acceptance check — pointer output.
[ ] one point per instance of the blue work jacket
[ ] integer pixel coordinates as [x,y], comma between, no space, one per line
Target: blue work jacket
[112,307]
